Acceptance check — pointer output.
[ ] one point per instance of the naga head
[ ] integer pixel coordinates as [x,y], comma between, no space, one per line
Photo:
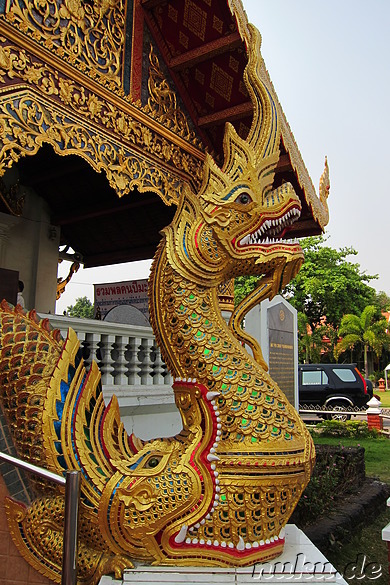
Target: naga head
[237,223]
[163,486]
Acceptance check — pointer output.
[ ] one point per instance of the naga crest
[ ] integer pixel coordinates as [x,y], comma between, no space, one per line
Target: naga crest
[221,491]
[237,223]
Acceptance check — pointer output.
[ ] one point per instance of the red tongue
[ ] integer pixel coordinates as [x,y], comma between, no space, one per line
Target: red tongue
[287,229]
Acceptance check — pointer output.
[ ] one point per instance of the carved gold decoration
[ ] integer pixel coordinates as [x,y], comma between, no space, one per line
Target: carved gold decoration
[319,206]
[11,198]
[62,282]
[231,227]
[27,124]
[237,9]
[226,295]
[88,35]
[87,38]
[324,184]
[162,102]
[35,120]
[28,120]
[222,490]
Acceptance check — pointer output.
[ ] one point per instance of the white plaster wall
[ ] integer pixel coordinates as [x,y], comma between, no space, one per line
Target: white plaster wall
[152,421]
[31,250]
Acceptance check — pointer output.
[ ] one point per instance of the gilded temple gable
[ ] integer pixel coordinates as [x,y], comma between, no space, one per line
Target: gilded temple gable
[140,90]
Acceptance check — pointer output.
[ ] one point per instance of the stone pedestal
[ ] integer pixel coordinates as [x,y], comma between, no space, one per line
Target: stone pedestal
[301,562]
[374,411]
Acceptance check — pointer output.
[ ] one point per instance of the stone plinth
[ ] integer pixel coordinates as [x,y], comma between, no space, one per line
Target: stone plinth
[301,562]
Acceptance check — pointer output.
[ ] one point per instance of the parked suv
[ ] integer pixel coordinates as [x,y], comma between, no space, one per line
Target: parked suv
[336,386]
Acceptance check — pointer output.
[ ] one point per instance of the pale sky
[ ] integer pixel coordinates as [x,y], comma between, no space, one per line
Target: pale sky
[329,63]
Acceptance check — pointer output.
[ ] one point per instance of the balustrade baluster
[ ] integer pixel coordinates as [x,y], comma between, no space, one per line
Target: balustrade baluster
[107,361]
[133,364]
[92,340]
[168,380]
[146,366]
[120,365]
[158,368]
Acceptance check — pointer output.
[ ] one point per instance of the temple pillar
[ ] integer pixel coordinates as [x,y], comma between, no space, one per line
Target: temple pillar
[29,245]
[7,222]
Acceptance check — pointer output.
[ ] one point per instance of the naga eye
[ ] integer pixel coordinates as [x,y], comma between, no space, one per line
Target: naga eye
[244,199]
[153,462]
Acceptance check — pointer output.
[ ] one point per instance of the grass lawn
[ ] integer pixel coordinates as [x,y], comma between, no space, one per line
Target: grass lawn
[384,398]
[377,453]
[366,543]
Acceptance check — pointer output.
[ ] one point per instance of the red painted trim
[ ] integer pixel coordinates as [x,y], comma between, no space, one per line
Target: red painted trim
[136,51]
[101,436]
[232,552]
[131,443]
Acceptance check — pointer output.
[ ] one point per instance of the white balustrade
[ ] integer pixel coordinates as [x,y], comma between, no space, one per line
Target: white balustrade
[128,357]
[145,354]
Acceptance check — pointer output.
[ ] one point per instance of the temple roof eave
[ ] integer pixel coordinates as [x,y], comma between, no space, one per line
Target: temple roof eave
[146,150]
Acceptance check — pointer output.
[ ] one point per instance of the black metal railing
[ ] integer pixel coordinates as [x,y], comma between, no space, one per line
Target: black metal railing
[71,481]
[328,409]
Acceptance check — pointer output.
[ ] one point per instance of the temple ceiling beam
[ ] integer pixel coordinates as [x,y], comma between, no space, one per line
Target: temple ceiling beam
[79,216]
[284,163]
[205,52]
[229,114]
[149,4]
[105,258]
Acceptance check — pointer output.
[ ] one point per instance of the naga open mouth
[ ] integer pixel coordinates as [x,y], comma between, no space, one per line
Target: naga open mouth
[272,230]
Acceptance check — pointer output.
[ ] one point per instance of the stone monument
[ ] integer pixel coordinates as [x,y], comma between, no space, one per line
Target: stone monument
[274,324]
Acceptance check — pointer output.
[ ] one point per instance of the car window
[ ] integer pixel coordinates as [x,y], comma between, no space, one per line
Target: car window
[345,375]
[314,377]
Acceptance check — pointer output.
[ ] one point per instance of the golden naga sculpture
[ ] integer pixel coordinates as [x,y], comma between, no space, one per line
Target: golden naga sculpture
[62,282]
[221,491]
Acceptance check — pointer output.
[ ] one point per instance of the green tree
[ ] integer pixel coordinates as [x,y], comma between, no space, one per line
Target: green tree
[310,341]
[383,301]
[83,308]
[243,286]
[328,284]
[367,331]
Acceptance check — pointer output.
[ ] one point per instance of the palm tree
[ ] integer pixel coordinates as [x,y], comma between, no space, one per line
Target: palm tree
[366,330]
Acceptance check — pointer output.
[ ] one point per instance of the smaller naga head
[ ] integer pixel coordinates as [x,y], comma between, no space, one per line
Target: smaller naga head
[238,223]
[161,484]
